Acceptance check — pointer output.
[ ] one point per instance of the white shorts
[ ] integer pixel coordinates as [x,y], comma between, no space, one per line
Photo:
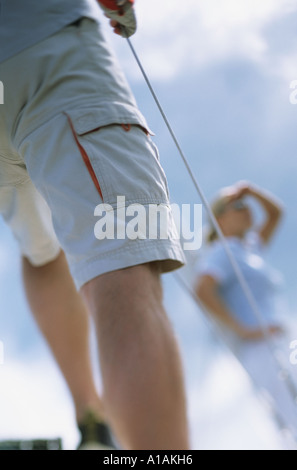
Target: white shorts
[257,358]
[72,135]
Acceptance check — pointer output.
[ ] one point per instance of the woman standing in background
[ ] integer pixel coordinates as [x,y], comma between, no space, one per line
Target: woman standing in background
[221,293]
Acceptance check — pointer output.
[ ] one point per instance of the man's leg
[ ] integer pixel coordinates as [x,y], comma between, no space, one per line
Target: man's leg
[142,374]
[62,317]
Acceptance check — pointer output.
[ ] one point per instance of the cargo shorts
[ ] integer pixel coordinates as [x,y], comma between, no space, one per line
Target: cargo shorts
[73,144]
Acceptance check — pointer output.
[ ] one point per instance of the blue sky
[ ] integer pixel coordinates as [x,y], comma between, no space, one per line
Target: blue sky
[222,70]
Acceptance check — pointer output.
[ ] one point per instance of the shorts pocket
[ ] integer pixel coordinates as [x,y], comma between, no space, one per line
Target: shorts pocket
[120,157]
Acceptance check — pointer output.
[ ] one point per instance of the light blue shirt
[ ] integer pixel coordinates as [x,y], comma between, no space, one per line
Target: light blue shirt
[263,280]
[24,23]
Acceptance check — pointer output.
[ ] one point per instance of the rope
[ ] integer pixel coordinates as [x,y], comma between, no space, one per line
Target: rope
[239,275]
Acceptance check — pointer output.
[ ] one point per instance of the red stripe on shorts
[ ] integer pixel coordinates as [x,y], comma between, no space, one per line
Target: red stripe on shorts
[86,159]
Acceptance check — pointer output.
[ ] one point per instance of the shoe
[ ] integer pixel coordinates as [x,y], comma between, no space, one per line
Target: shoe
[95,434]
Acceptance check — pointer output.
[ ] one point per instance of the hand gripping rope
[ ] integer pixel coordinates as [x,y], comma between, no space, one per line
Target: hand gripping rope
[282,371]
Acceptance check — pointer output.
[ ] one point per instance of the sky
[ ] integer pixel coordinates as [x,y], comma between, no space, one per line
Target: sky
[222,70]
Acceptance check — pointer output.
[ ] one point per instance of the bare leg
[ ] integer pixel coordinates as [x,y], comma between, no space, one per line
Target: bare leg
[61,315]
[142,374]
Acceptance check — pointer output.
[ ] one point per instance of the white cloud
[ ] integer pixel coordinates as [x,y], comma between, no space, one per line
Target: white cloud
[35,404]
[174,35]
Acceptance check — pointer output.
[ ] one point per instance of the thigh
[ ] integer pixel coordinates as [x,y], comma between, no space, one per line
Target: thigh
[140,285]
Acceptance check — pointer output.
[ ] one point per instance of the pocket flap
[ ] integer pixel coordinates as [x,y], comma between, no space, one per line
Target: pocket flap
[105,114]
